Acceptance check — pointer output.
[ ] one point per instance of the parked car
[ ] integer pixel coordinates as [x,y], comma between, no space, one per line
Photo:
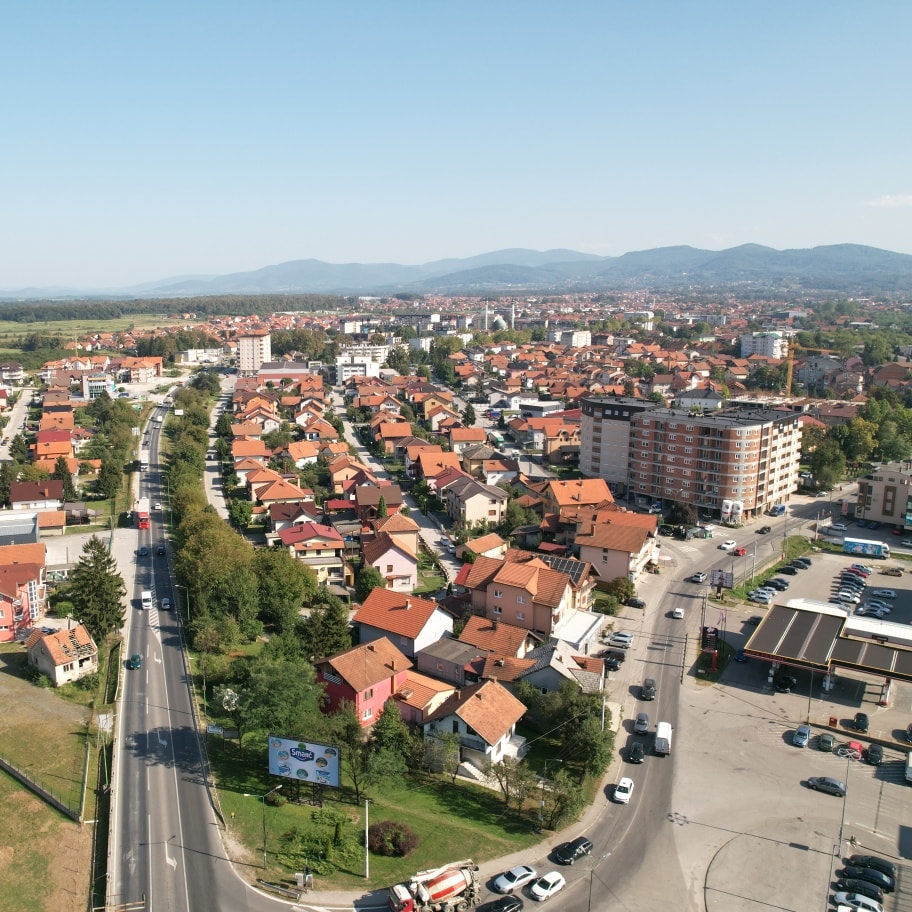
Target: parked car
[760,597]
[805,562]
[874,861]
[779,584]
[514,879]
[621,639]
[864,887]
[865,568]
[612,663]
[827,784]
[623,790]
[839,527]
[635,603]
[788,570]
[846,595]
[820,494]
[764,530]
[648,689]
[884,593]
[728,545]
[504,904]
[545,887]
[906,543]
[698,577]
[802,736]
[754,620]
[637,752]
[641,725]
[826,742]
[569,852]
[860,722]
[855,901]
[785,683]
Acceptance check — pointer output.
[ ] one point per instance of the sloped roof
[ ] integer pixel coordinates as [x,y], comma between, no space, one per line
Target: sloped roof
[395,612]
[488,708]
[367,665]
[494,636]
[66,645]
[375,548]
[485,543]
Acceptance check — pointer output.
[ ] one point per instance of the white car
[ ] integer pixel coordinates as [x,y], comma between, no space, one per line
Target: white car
[678,613]
[621,639]
[762,598]
[698,577]
[864,568]
[515,879]
[844,595]
[545,887]
[857,901]
[906,543]
[839,527]
[884,593]
[728,545]
[158,505]
[623,790]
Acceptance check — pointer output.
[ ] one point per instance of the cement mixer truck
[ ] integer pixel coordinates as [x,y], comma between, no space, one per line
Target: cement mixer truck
[450,888]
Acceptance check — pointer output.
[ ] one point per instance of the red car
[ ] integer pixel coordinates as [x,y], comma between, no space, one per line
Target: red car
[739,552]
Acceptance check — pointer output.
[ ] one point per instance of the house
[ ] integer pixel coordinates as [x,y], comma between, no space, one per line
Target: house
[469,500]
[450,660]
[490,545]
[394,558]
[554,663]
[367,500]
[64,656]
[462,437]
[36,495]
[365,676]
[319,547]
[420,697]
[616,549]
[494,636]
[484,716]
[409,622]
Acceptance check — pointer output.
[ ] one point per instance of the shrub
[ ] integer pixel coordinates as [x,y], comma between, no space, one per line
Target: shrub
[391,838]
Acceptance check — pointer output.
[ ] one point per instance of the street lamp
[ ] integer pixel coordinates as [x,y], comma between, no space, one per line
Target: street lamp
[263,799]
[541,807]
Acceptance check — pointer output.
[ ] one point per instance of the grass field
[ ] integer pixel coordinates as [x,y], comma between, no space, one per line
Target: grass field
[69,329]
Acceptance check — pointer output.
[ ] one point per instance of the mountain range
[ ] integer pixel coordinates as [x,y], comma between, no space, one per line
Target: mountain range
[840,268]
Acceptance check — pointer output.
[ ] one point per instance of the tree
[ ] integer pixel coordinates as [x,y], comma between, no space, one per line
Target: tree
[365,766]
[284,583]
[515,779]
[593,746]
[110,476]
[563,799]
[468,416]
[97,590]
[827,463]
[382,509]
[621,588]
[368,579]
[391,733]
[240,512]
[326,631]
[19,451]
[62,473]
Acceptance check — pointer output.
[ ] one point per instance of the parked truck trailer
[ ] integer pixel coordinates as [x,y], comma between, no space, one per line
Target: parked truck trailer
[869,548]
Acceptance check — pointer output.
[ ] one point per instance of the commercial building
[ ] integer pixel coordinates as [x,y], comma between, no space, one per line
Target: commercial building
[254,350]
[886,495]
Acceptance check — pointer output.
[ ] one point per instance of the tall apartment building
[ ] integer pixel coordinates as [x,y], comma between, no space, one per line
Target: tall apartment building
[605,437]
[254,350]
[768,344]
[731,463]
[886,495]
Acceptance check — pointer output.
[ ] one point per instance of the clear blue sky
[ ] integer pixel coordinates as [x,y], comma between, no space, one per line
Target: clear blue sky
[147,140]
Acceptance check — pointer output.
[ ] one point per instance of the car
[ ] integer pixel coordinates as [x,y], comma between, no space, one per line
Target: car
[740,656]
[666,530]
[623,790]
[855,901]
[839,527]
[821,494]
[869,611]
[568,852]
[648,689]
[826,742]
[728,545]
[848,579]
[860,722]
[906,543]
[135,661]
[884,593]
[755,620]
[779,584]
[846,595]
[612,663]
[641,725]
[875,862]
[864,887]
[637,752]
[827,784]
[874,754]
[158,505]
[761,598]
[865,568]
[166,604]
[862,524]
[514,879]
[678,613]
[804,562]
[160,550]
[143,551]
[739,552]
[788,570]
[785,683]
[764,530]
[621,639]
[504,904]
[545,887]
[698,577]
[802,736]
[635,603]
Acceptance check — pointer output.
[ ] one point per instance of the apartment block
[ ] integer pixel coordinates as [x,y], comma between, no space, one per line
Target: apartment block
[731,464]
[886,495]
[254,350]
[767,344]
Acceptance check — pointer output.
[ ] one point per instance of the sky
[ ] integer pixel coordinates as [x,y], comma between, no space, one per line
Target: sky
[146,140]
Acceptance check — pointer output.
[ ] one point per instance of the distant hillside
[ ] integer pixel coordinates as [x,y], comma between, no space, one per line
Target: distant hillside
[837,269]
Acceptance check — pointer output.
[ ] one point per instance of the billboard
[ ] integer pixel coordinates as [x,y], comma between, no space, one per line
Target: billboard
[304,761]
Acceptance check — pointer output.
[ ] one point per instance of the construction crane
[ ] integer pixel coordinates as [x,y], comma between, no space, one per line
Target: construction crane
[790,360]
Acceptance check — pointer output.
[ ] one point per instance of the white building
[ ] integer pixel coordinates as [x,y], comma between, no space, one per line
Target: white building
[767,344]
[254,350]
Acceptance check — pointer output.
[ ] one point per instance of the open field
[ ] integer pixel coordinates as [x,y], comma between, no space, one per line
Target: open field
[11,331]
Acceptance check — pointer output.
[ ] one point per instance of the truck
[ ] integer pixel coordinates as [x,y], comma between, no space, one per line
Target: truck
[452,887]
[663,738]
[144,461]
[142,513]
[865,546]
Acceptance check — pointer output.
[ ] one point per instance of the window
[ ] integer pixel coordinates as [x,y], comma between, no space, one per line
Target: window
[389,568]
[369,693]
[498,593]
[497,609]
[368,713]
[520,615]
[520,600]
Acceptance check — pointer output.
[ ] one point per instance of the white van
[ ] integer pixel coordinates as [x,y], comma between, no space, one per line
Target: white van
[663,738]
[146,599]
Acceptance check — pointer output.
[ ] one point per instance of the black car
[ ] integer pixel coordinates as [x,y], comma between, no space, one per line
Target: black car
[873,861]
[777,583]
[850,885]
[635,603]
[871,875]
[568,852]
[160,550]
[763,530]
[666,530]
[637,752]
[788,570]
[860,722]
[612,663]
[504,904]
[874,754]
[785,683]
[802,563]
[143,551]
[648,690]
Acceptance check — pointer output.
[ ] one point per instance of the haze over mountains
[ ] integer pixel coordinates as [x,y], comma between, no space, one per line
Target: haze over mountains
[840,269]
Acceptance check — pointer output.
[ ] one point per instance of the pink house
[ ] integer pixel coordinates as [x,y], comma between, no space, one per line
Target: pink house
[366,676]
[19,599]
[394,558]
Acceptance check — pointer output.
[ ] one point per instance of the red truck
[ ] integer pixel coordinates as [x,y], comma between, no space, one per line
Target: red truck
[450,888]
[142,513]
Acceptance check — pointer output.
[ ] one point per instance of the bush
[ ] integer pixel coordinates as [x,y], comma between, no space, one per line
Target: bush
[393,839]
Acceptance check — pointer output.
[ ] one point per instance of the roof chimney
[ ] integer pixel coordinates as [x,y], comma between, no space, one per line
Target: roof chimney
[370,647]
[408,604]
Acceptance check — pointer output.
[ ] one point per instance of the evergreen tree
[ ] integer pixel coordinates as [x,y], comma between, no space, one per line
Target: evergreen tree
[468,416]
[382,509]
[326,631]
[97,590]
[366,581]
[62,473]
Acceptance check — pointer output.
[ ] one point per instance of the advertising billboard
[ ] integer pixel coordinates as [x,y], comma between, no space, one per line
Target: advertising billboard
[304,761]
